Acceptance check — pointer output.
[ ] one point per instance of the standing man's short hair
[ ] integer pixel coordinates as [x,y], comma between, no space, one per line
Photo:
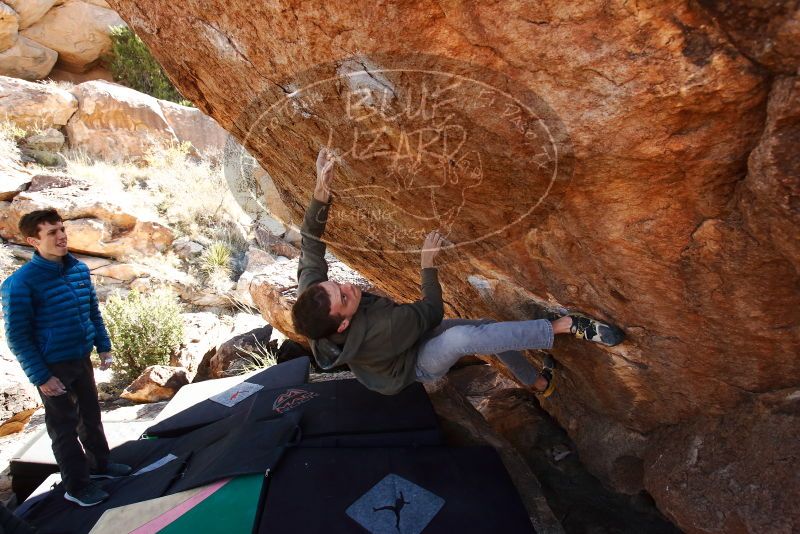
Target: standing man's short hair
[29,223]
[311,314]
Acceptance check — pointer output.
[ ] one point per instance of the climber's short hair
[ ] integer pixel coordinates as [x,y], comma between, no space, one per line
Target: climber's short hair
[311,314]
[29,223]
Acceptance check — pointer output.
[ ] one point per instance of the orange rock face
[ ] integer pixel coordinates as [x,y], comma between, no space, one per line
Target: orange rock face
[594,156]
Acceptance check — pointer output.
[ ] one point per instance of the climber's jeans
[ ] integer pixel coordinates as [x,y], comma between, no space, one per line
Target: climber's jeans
[442,347]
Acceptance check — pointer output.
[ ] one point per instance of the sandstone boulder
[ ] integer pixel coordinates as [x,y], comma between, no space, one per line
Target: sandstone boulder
[99,3]
[95,225]
[9,27]
[124,272]
[115,123]
[30,11]
[588,156]
[28,60]
[78,31]
[234,354]
[279,246]
[712,475]
[192,125]
[97,73]
[767,32]
[202,334]
[156,383]
[256,262]
[33,105]
[94,236]
[26,253]
[773,189]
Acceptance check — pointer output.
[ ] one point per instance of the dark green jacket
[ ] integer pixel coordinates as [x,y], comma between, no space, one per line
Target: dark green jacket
[380,344]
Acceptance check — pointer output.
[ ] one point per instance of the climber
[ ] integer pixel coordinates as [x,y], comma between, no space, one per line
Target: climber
[387,345]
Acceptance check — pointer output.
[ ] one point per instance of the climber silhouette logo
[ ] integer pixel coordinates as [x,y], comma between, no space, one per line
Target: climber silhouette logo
[395,505]
[396,508]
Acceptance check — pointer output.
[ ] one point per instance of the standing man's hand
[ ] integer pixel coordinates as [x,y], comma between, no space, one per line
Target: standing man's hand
[106,359]
[53,387]
[325,164]
[430,248]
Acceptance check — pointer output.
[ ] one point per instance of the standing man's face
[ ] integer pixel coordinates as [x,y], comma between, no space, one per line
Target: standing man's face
[52,241]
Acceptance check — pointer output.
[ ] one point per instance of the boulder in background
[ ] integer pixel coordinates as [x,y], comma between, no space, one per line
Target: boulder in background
[9,27]
[34,105]
[28,60]
[30,11]
[78,31]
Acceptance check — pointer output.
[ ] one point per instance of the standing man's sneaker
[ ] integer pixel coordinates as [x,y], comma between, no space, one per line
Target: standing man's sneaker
[584,327]
[88,496]
[112,470]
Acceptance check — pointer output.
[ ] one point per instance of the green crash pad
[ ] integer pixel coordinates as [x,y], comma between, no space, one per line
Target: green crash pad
[231,509]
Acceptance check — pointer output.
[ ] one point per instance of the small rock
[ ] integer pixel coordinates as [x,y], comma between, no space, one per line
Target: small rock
[156,383]
[237,348]
[185,248]
[272,225]
[293,236]
[43,157]
[49,140]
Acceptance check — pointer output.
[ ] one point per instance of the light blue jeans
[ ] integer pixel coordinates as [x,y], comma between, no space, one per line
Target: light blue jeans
[443,346]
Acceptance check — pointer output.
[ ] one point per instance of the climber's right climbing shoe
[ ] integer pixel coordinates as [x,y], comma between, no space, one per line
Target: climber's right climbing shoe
[584,327]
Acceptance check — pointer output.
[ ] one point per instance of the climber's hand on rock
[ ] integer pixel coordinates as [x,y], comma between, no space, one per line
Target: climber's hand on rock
[430,248]
[325,166]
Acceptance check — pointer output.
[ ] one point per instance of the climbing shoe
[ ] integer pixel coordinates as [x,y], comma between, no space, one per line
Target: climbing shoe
[584,327]
[88,496]
[549,372]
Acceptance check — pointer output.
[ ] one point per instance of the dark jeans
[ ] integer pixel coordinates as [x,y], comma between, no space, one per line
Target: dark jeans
[73,415]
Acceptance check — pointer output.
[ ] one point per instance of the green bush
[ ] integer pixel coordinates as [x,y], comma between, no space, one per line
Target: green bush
[133,65]
[145,329]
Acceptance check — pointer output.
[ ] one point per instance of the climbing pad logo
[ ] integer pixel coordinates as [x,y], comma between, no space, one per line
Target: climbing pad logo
[395,505]
[292,398]
[422,143]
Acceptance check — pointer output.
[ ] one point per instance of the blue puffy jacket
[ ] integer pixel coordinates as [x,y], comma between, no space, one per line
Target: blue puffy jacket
[51,315]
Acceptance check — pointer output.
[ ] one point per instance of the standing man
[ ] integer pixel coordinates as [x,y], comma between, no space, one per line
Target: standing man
[387,345]
[52,322]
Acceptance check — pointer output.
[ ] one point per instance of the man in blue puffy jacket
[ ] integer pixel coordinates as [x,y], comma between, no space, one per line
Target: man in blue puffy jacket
[52,323]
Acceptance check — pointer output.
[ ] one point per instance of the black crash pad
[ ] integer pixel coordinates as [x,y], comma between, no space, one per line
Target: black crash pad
[344,413]
[407,491]
[198,410]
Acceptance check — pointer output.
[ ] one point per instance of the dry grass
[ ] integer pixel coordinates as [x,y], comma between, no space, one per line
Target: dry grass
[8,263]
[10,134]
[190,194]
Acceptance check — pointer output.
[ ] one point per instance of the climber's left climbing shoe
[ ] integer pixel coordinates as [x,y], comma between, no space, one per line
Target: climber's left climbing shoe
[584,327]
[549,372]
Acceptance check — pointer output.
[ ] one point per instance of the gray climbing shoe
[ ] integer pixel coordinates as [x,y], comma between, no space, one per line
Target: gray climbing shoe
[584,327]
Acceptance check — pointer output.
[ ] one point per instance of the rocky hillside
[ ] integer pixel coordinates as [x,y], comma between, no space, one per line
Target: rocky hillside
[60,39]
[635,161]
